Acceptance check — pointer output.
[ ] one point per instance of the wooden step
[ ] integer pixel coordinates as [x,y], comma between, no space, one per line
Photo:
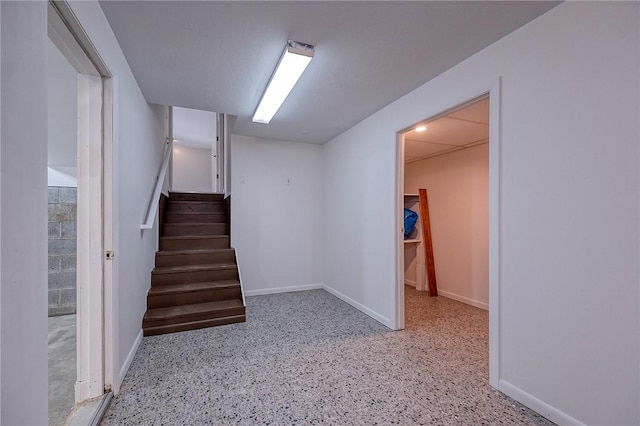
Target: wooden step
[193,196]
[187,317]
[195,283]
[178,229]
[194,242]
[197,206]
[193,293]
[193,325]
[195,257]
[193,274]
[195,217]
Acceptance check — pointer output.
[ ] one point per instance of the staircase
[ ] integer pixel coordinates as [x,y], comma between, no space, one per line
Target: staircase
[195,282]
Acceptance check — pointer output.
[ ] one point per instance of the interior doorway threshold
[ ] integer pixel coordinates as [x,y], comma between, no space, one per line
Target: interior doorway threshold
[90,412]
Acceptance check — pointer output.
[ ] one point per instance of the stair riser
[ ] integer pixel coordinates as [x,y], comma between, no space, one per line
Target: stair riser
[195,197]
[194,277]
[195,317]
[194,206]
[177,217]
[191,297]
[194,325]
[201,244]
[227,256]
[188,230]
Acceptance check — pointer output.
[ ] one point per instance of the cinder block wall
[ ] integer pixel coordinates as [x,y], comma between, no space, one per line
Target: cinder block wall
[62,250]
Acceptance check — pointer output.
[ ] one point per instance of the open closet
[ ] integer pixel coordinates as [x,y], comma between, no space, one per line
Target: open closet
[446,184]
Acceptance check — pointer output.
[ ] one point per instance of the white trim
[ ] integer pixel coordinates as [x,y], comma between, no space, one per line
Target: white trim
[398,291]
[90,347]
[242,290]
[290,289]
[382,319]
[493,90]
[463,299]
[409,282]
[111,234]
[130,356]
[537,405]
[495,167]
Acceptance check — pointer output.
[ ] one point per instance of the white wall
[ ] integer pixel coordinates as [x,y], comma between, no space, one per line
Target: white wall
[458,190]
[62,176]
[191,169]
[62,110]
[140,141]
[23,216]
[569,207]
[276,214]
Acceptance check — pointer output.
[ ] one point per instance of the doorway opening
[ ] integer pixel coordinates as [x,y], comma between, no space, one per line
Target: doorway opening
[81,220]
[449,158]
[197,152]
[454,156]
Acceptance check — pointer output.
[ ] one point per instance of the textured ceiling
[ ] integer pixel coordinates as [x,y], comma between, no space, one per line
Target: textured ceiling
[219,56]
[460,128]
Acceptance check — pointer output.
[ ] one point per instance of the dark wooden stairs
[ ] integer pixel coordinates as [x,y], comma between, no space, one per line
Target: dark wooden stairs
[195,282]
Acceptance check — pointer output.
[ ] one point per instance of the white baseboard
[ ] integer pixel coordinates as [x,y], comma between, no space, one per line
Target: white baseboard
[129,360]
[260,292]
[537,405]
[384,320]
[463,299]
[290,289]
[410,282]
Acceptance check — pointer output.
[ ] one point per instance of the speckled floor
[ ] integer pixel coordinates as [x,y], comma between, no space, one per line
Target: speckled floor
[309,358]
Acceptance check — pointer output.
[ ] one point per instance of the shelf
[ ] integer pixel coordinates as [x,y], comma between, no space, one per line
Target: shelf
[413,241]
[411,195]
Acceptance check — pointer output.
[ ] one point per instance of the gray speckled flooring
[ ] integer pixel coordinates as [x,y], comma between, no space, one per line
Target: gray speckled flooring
[309,358]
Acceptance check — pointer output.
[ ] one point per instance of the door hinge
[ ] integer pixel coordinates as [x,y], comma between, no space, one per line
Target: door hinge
[108,255]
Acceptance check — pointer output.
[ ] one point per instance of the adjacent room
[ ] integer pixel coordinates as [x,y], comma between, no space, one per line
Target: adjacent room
[62,226]
[448,157]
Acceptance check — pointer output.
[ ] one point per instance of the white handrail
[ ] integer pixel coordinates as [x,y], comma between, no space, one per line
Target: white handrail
[152,211]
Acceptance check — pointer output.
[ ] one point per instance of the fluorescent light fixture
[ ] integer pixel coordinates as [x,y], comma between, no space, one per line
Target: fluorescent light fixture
[292,64]
[421,129]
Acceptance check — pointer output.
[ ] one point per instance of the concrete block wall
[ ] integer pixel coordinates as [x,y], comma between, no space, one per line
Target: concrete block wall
[62,250]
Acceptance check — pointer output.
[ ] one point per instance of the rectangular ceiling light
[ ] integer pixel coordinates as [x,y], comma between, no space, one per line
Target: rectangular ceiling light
[292,64]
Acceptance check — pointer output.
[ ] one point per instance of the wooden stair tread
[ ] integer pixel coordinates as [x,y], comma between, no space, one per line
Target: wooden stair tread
[193,223]
[195,251]
[192,268]
[190,287]
[195,283]
[193,325]
[175,312]
[196,202]
[191,212]
[193,237]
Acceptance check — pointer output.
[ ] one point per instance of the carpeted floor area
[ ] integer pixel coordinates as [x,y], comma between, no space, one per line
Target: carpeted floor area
[309,358]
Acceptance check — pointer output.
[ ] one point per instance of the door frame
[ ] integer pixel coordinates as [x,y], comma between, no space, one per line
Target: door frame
[97,308]
[494,92]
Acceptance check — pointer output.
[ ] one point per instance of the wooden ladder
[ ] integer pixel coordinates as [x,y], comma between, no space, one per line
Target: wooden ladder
[428,246]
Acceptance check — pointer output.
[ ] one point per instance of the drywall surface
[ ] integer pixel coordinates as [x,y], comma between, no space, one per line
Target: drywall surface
[23,217]
[62,93]
[568,274]
[457,186]
[140,136]
[191,169]
[276,214]
[62,176]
